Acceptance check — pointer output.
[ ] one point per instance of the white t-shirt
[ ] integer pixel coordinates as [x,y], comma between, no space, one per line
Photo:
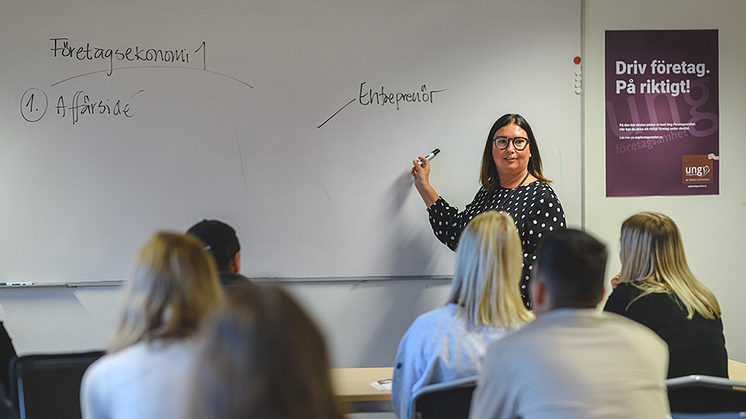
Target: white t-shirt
[139,382]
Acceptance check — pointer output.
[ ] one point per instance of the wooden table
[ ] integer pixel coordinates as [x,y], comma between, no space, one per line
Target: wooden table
[352,386]
[736,370]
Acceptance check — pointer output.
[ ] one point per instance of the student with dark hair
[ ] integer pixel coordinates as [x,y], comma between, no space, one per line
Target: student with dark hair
[221,240]
[262,357]
[573,361]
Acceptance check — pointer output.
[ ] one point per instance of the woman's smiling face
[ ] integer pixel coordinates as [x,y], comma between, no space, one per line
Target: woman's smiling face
[509,161]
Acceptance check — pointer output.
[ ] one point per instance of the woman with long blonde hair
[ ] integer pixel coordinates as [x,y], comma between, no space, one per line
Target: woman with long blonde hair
[171,289]
[657,288]
[484,305]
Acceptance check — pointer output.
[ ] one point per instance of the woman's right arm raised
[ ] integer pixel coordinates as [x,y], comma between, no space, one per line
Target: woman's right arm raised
[421,174]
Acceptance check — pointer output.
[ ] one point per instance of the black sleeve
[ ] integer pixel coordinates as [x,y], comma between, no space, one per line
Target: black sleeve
[448,223]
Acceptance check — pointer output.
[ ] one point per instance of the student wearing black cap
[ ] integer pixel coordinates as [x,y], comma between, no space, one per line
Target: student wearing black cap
[220,239]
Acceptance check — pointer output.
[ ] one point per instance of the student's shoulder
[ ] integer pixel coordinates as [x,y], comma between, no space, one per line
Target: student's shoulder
[116,361]
[424,330]
[434,317]
[632,328]
[518,340]
[622,295]
[507,354]
[629,287]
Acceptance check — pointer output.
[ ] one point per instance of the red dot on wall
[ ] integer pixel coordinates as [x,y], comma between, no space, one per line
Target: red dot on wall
[577,60]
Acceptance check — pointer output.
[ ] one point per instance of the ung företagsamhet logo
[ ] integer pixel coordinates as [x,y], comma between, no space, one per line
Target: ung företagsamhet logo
[696,170]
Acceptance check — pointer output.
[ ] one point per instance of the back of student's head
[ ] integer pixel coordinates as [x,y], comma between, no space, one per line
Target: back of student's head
[219,238]
[572,264]
[171,289]
[488,271]
[651,247]
[262,357]
[652,252]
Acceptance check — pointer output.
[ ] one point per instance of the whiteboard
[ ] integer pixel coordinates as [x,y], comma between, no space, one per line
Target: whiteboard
[294,121]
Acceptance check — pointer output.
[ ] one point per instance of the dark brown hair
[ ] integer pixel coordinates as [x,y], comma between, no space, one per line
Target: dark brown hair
[262,357]
[572,264]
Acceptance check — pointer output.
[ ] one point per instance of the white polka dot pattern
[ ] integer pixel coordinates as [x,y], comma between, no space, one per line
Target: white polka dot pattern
[534,208]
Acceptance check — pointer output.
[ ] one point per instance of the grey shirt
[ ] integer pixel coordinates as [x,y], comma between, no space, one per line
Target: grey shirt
[574,364]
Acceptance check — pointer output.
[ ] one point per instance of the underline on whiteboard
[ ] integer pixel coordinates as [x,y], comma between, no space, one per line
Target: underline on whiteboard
[150,66]
[335,113]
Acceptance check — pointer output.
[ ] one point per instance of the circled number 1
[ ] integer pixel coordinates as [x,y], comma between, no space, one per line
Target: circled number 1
[34,104]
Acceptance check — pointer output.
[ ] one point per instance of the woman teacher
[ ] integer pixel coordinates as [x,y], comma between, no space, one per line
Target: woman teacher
[511,181]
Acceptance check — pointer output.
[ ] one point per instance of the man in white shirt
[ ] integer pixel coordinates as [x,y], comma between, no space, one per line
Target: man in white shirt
[573,361]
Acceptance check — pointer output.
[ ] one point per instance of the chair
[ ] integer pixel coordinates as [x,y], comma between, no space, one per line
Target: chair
[449,400]
[706,394]
[48,386]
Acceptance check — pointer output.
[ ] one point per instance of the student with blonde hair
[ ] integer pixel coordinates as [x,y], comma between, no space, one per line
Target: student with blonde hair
[262,357]
[171,289]
[657,288]
[484,305]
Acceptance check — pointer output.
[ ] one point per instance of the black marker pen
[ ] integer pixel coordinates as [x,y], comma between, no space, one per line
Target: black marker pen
[431,155]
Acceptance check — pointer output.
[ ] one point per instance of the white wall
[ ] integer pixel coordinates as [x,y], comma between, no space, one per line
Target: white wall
[713,226]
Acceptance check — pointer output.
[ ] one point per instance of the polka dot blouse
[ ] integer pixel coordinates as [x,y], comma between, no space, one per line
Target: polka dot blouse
[534,208]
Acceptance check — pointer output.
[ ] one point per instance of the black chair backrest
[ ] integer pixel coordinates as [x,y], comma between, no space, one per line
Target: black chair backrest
[48,386]
[449,400]
[706,394]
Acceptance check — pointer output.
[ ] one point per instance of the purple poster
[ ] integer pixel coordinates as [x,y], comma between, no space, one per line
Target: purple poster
[662,124]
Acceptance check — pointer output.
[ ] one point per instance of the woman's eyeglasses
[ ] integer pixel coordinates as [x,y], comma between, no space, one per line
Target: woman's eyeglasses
[519,143]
